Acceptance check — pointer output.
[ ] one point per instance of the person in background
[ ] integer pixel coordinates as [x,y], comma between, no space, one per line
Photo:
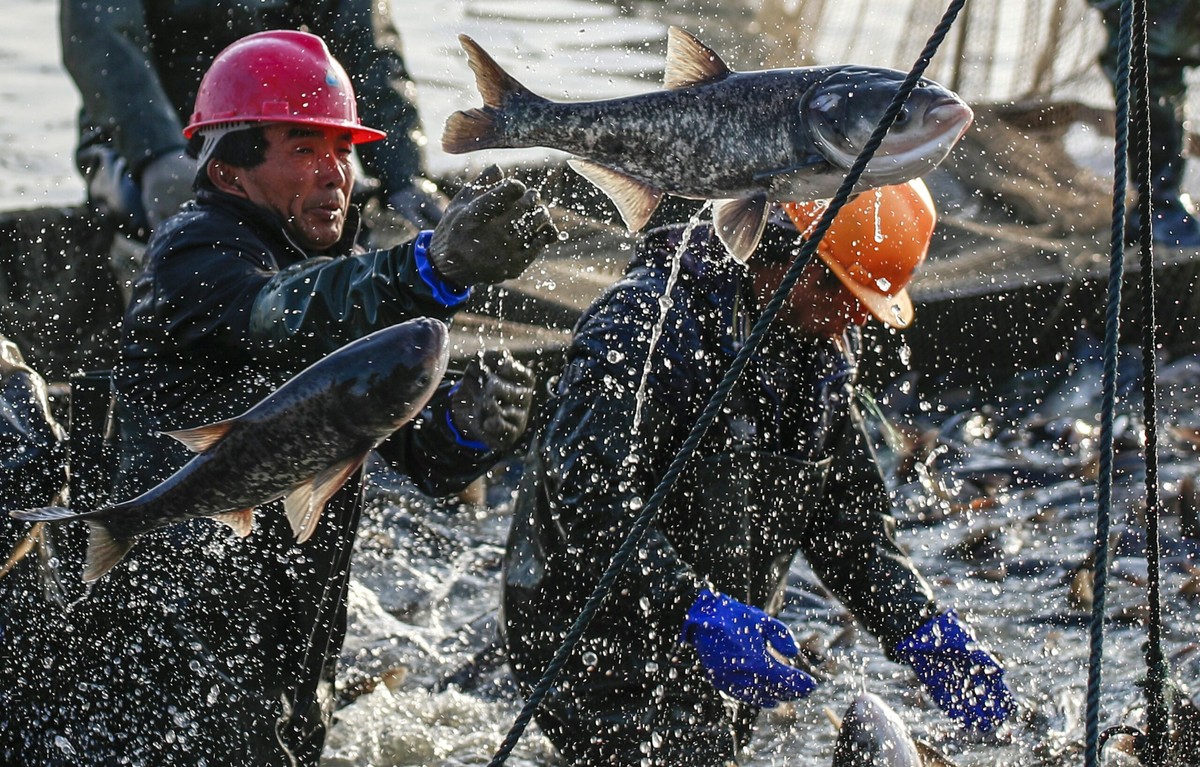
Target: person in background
[137,66]
[202,648]
[1173,45]
[685,651]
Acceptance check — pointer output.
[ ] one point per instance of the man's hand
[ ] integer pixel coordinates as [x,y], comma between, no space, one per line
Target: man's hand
[734,642]
[965,680]
[420,202]
[491,231]
[490,404]
[166,185]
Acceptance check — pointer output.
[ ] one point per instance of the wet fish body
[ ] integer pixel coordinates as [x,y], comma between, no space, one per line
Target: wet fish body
[740,138]
[300,443]
[873,735]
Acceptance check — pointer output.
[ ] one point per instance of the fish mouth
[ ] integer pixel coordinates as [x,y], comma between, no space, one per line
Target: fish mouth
[949,112]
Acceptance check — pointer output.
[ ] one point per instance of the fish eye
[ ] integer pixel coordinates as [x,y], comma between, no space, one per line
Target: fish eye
[903,116]
[826,102]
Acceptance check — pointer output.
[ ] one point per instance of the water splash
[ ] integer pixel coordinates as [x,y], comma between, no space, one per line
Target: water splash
[664,306]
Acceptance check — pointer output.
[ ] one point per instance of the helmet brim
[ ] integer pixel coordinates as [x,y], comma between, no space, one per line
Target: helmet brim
[894,310]
[359,134]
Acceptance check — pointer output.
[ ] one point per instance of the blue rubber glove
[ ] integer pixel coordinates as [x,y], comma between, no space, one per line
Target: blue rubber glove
[731,639]
[964,680]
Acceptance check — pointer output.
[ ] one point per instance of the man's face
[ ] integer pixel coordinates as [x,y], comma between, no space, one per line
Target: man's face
[819,306]
[306,179]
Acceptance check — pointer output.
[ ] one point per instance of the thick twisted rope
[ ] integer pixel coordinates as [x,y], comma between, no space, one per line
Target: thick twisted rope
[1158,711]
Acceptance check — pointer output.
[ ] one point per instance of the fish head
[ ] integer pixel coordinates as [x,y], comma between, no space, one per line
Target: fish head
[402,367]
[841,111]
[873,735]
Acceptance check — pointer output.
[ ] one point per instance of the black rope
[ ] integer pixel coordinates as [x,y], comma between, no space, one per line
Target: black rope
[1152,747]
[1158,712]
[1112,326]
[709,414]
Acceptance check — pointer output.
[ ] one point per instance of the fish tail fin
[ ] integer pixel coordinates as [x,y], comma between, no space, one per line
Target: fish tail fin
[44,514]
[103,551]
[472,129]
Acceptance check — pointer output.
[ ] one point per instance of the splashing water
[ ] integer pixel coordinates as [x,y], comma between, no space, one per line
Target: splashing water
[664,305]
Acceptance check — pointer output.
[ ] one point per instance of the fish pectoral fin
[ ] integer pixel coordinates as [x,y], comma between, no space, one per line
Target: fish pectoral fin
[241,521]
[307,500]
[635,199]
[691,62]
[103,551]
[202,438]
[44,514]
[739,224]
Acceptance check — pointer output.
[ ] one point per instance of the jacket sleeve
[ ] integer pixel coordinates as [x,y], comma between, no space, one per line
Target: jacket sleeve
[851,545]
[386,93]
[320,304]
[108,52]
[225,296]
[599,472]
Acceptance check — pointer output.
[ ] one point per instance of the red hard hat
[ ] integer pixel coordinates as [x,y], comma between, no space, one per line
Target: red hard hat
[278,76]
[875,244]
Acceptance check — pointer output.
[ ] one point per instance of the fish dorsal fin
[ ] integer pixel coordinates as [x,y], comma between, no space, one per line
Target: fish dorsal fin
[691,62]
[635,199]
[202,438]
[307,500]
[739,224]
[241,521]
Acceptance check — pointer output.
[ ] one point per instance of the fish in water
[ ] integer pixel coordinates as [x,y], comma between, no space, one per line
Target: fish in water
[871,734]
[301,443]
[742,139]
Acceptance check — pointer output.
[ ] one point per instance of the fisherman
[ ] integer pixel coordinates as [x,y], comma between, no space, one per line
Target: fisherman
[138,64]
[677,662]
[202,648]
[1172,45]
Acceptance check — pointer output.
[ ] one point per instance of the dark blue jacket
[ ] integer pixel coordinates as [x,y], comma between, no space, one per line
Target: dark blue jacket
[200,645]
[591,470]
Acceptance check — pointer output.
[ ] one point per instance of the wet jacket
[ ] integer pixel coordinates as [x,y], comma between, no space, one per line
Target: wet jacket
[201,645]
[138,65]
[785,468]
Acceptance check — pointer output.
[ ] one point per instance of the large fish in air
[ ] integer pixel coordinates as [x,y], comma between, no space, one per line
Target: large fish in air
[742,139]
[301,443]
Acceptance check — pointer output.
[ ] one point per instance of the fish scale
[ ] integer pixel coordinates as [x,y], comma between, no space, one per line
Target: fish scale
[742,139]
[301,441]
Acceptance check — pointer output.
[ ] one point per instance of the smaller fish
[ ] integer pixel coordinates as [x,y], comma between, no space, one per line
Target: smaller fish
[871,734]
[300,443]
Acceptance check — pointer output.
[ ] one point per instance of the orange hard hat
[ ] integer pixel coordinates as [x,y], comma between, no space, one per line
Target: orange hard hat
[278,76]
[875,244]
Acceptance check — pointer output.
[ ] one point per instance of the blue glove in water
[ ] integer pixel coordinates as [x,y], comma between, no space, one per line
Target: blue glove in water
[964,680]
[731,639]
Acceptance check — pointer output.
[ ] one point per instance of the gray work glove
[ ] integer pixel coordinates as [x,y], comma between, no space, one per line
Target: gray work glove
[491,231]
[420,202]
[490,404]
[166,184]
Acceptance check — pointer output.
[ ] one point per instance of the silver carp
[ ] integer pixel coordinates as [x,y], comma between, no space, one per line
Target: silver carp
[871,734]
[742,139]
[300,443]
